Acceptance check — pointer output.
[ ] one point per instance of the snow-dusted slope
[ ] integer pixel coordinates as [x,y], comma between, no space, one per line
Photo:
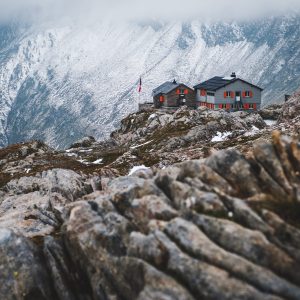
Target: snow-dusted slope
[59,83]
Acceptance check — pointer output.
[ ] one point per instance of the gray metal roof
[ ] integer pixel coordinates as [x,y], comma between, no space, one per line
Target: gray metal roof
[213,84]
[165,88]
[218,82]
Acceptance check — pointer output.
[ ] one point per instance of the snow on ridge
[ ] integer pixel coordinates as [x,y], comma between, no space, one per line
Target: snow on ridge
[137,168]
[95,71]
[221,136]
[141,145]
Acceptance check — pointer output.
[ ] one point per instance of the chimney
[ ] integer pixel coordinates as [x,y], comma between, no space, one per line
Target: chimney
[174,81]
[233,75]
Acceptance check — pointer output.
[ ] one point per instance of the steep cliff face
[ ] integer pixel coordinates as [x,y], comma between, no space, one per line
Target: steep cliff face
[62,82]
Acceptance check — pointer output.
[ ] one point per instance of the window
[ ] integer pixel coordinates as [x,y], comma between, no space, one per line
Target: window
[248,94]
[252,106]
[227,94]
[181,91]
[210,94]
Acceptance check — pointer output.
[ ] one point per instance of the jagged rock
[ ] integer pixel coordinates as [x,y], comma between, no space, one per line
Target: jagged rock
[85,142]
[291,108]
[23,273]
[144,227]
[271,112]
[33,205]
[222,227]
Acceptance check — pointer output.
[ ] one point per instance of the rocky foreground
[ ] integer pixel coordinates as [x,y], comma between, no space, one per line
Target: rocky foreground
[225,225]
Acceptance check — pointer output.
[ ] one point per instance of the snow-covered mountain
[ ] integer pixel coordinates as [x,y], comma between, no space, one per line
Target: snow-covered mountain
[64,81]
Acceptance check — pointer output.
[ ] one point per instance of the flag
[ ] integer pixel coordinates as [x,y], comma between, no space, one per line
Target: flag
[140,85]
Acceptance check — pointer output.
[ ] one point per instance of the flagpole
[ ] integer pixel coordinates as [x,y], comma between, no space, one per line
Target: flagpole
[140,91]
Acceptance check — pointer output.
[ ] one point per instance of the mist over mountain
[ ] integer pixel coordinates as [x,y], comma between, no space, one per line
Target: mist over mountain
[62,80]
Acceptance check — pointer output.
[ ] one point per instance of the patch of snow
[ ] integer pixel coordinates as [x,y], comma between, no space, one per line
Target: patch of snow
[27,170]
[137,168]
[138,146]
[152,116]
[86,150]
[72,154]
[254,130]
[230,214]
[83,161]
[221,136]
[98,161]
[270,122]
[191,201]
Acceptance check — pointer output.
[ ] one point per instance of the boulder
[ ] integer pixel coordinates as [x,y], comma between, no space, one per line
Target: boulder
[23,272]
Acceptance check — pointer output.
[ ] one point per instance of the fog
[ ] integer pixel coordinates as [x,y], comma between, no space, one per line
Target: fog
[144,9]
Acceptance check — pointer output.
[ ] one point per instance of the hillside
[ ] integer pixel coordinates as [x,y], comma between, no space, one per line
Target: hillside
[225,226]
[63,81]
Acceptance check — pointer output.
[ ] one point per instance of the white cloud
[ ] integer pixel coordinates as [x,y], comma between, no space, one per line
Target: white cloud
[153,9]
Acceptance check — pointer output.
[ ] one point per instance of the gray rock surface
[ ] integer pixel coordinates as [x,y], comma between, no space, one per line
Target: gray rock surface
[23,273]
[222,227]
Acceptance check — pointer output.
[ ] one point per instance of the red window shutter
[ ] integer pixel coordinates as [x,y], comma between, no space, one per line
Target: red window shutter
[254,106]
[220,106]
[225,94]
[246,105]
[186,92]
[202,93]
[251,94]
[244,94]
[232,94]
[161,98]
[178,92]
[228,106]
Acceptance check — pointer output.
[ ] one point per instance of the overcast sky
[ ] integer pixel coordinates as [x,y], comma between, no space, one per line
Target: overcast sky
[157,9]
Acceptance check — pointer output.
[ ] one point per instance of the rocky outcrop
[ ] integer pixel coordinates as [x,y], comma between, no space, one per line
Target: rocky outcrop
[271,112]
[161,138]
[291,108]
[225,227]
[85,142]
[23,273]
[32,205]
[216,217]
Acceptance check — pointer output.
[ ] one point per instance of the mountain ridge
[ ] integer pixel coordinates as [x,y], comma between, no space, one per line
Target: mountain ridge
[60,83]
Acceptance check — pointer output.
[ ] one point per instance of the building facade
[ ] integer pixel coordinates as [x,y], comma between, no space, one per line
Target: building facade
[173,94]
[230,93]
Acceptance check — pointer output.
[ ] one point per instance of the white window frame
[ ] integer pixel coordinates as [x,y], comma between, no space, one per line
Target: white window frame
[228,94]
